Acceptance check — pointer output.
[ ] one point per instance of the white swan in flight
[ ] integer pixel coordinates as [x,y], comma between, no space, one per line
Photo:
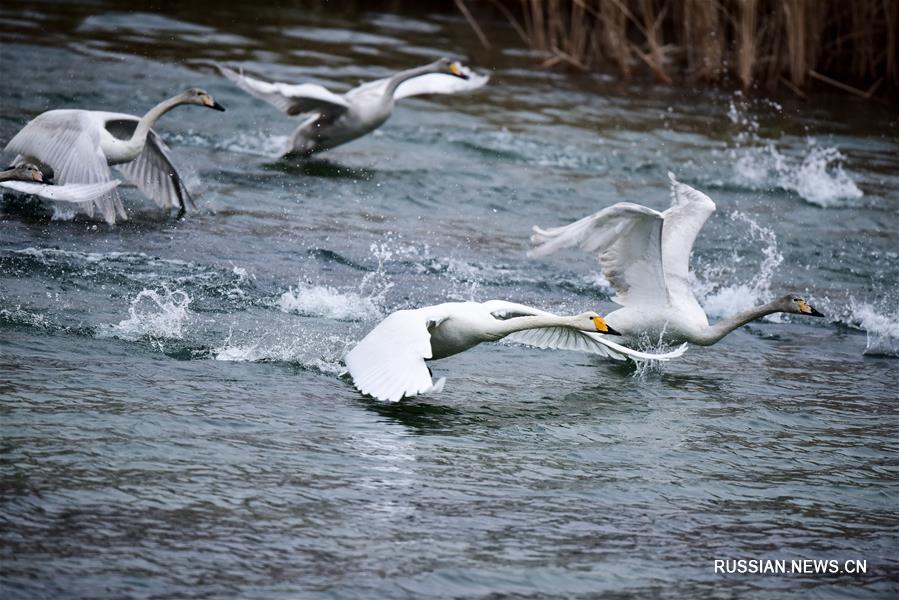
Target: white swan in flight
[389,362]
[335,119]
[645,256]
[79,146]
[26,178]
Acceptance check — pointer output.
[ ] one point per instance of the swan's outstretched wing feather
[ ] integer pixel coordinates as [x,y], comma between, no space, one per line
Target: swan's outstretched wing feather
[389,362]
[566,338]
[441,83]
[152,171]
[627,241]
[290,99]
[689,211]
[68,141]
[429,83]
[76,193]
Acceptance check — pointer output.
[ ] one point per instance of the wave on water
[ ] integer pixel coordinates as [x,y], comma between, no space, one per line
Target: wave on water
[881,328]
[721,301]
[51,254]
[20,316]
[154,315]
[256,143]
[817,175]
[518,147]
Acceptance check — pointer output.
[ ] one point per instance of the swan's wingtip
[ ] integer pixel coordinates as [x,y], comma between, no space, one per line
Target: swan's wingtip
[672,178]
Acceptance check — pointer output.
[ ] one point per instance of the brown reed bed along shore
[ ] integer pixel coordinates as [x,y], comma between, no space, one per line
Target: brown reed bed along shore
[850,45]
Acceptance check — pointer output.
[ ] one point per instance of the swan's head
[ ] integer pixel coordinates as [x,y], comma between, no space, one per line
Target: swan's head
[591,321]
[27,172]
[453,67]
[200,97]
[792,303]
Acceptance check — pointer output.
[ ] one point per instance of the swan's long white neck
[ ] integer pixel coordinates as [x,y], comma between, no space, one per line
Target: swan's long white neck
[135,145]
[720,329]
[395,81]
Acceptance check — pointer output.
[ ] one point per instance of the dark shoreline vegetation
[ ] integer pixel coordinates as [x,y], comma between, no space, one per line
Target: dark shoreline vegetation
[801,45]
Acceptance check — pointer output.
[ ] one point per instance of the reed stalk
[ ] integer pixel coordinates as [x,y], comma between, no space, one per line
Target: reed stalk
[846,44]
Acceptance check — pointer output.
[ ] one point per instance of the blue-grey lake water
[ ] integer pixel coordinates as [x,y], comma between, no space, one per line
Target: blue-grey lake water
[173,419]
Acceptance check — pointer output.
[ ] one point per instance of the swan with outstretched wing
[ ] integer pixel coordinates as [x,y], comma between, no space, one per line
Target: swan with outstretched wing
[335,119]
[645,256]
[80,146]
[389,362]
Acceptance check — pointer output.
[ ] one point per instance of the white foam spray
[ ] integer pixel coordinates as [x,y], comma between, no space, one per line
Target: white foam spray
[816,173]
[881,327]
[721,301]
[158,315]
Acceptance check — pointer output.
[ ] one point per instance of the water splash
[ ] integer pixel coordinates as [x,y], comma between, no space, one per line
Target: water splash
[364,303]
[320,351]
[325,301]
[818,177]
[720,300]
[881,327]
[816,174]
[156,315]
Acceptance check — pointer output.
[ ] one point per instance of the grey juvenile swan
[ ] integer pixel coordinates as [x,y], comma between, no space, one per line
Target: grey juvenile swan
[79,146]
[27,178]
[334,119]
[645,255]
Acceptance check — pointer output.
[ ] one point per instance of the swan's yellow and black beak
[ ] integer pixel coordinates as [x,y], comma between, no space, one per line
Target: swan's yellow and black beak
[456,69]
[807,309]
[603,327]
[208,101]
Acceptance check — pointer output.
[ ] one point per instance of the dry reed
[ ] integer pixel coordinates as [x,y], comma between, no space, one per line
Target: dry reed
[849,44]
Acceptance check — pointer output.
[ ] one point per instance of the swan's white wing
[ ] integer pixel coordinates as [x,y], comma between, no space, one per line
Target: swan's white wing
[566,338]
[389,362]
[689,211]
[71,192]
[152,171]
[627,241]
[556,338]
[68,141]
[441,83]
[290,99]
[430,83]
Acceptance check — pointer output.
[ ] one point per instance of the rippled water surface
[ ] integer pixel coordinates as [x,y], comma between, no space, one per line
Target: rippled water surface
[174,422]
